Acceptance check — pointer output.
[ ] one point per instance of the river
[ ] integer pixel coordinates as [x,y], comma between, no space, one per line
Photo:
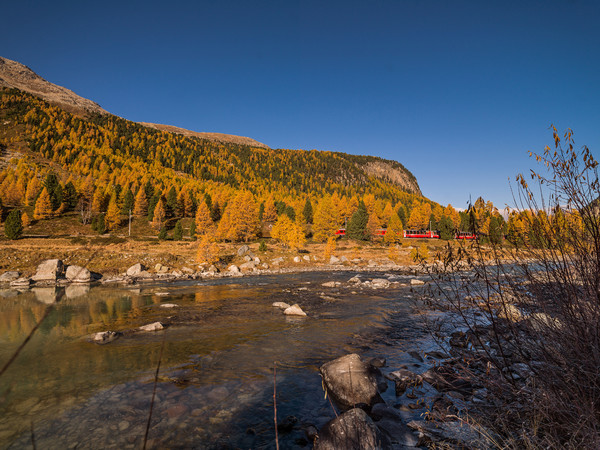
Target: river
[216,379]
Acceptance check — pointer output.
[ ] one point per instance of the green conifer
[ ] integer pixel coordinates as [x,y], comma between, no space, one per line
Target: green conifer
[13,227]
[357,227]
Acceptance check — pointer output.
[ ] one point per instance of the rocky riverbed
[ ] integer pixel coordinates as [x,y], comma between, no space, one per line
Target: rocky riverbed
[223,337]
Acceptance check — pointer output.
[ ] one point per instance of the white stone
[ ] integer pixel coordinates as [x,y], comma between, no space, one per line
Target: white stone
[78,274]
[155,326]
[416,282]
[306,258]
[331,284]
[169,305]
[135,270]
[7,277]
[294,310]
[380,283]
[297,259]
[21,282]
[233,269]
[334,260]
[281,305]
[250,265]
[48,270]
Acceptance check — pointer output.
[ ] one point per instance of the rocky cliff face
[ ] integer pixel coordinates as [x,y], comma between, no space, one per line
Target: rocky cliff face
[387,172]
[16,75]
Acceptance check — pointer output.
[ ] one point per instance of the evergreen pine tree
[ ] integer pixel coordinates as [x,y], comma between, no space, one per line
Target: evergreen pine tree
[171,209]
[13,227]
[289,211]
[70,197]
[261,211]
[307,212]
[357,227]
[178,231]
[162,234]
[151,205]
[128,202]
[446,228]
[193,230]
[100,224]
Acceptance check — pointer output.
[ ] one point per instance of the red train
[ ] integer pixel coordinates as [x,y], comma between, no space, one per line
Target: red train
[423,234]
[416,234]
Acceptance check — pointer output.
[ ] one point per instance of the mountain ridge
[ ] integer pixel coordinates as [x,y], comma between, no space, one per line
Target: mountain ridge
[14,75]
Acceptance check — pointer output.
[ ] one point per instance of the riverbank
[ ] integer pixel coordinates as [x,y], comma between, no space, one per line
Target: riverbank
[112,256]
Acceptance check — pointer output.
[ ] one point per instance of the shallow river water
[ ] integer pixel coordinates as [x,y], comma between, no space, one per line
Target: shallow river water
[215,383]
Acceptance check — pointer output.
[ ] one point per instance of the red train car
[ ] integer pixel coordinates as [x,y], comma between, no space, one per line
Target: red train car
[465,235]
[422,234]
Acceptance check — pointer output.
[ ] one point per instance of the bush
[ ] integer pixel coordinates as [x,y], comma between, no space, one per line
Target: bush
[262,247]
[13,227]
[532,320]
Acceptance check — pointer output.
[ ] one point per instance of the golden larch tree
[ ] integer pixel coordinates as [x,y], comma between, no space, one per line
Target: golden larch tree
[140,208]
[43,206]
[33,189]
[113,214]
[159,214]
[288,232]
[203,220]
[394,229]
[325,220]
[240,218]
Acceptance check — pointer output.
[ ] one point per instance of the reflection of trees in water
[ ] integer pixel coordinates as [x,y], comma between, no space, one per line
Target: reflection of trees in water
[78,310]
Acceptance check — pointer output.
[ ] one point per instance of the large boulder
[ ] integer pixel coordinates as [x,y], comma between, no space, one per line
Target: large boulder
[352,430]
[334,260]
[49,270]
[78,274]
[248,266]
[135,270]
[233,269]
[350,381]
[243,250]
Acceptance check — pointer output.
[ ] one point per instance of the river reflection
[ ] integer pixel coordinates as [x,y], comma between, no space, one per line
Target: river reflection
[216,377]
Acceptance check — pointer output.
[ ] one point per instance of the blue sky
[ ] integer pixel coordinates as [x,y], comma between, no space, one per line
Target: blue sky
[457,91]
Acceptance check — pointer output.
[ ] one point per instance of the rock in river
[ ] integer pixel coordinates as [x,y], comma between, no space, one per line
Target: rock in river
[281,305]
[350,381]
[7,277]
[155,326]
[135,270]
[78,274]
[104,337]
[352,430]
[49,270]
[294,310]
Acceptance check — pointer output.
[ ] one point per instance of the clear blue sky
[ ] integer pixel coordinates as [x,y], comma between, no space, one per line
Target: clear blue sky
[457,91]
